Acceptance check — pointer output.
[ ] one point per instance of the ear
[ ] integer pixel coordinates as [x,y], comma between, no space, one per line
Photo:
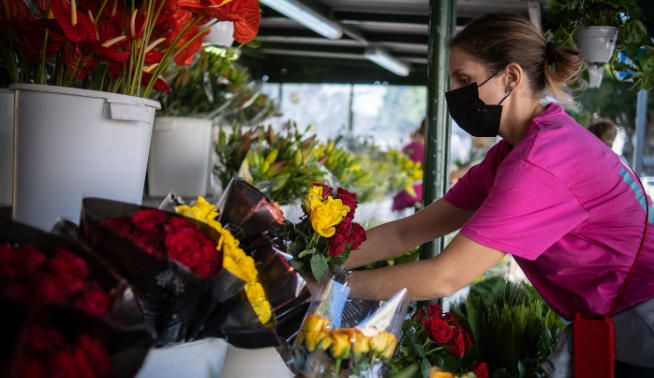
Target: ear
[514,76]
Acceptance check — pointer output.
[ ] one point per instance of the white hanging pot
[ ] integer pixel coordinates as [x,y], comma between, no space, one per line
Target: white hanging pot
[596,43]
[180,156]
[6,146]
[221,34]
[72,143]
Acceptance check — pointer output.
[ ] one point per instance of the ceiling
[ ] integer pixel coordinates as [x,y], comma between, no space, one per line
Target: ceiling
[290,52]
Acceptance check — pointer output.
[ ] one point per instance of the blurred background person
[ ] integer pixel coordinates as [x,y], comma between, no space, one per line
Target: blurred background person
[415,150]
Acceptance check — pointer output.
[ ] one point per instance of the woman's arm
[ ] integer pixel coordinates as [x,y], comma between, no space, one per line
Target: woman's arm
[458,265]
[394,238]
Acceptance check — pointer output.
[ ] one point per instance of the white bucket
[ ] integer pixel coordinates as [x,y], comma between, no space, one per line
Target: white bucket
[203,358]
[180,156]
[72,143]
[596,43]
[6,146]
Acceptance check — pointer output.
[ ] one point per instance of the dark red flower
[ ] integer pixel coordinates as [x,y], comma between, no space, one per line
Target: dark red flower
[14,11]
[245,14]
[121,226]
[63,365]
[150,242]
[19,293]
[93,300]
[149,220]
[70,269]
[194,250]
[178,224]
[38,340]
[426,313]
[160,84]
[9,270]
[96,352]
[338,243]
[452,319]
[439,330]
[29,367]
[84,366]
[52,289]
[188,45]
[29,259]
[460,343]
[358,236]
[326,189]
[80,29]
[480,369]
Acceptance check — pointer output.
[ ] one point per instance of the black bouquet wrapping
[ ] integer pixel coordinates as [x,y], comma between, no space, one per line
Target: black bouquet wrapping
[260,225]
[40,271]
[183,300]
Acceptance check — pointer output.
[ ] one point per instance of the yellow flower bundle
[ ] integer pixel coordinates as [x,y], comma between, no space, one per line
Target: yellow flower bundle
[235,260]
[324,214]
[344,343]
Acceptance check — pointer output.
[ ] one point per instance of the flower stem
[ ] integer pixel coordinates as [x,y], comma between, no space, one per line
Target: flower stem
[41,76]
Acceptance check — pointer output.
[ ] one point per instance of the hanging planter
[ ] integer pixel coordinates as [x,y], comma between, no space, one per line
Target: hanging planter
[6,145]
[596,43]
[71,143]
[180,156]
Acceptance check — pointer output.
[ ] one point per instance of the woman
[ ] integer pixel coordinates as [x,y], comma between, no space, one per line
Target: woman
[415,150]
[550,193]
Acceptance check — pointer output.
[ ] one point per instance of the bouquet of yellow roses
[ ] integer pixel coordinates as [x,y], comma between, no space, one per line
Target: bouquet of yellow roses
[327,233]
[343,336]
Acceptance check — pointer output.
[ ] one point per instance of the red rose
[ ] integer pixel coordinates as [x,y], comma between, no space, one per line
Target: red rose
[349,199]
[178,224]
[480,369]
[93,300]
[70,269]
[338,243]
[439,330]
[426,313]
[460,343]
[29,367]
[52,289]
[29,259]
[84,365]
[150,242]
[120,226]
[193,249]
[63,365]
[358,235]
[39,340]
[8,264]
[96,352]
[452,319]
[149,220]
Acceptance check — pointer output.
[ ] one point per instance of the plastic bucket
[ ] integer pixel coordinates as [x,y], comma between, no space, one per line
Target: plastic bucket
[6,146]
[179,156]
[596,43]
[71,143]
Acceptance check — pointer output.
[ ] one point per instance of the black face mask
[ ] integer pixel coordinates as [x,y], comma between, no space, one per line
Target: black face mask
[471,113]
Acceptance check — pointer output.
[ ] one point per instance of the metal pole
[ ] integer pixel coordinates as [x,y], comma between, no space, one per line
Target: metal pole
[639,143]
[437,141]
[350,109]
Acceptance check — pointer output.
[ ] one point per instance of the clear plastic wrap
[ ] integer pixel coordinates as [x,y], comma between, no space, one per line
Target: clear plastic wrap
[342,336]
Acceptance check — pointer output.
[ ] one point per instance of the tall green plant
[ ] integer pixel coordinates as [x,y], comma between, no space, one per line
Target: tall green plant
[512,327]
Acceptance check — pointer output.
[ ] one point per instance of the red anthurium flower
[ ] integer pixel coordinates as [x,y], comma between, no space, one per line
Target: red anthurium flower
[159,85]
[153,57]
[245,14]
[76,25]
[14,11]
[184,57]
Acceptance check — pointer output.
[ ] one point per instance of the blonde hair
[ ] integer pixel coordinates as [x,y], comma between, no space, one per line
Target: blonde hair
[500,39]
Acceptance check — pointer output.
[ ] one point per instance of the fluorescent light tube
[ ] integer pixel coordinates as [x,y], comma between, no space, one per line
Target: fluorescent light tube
[306,16]
[387,61]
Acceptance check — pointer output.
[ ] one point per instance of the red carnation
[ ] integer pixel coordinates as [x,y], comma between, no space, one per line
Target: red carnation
[193,249]
[480,369]
[93,300]
[460,343]
[358,236]
[440,331]
[150,242]
[178,224]
[52,289]
[70,269]
[149,220]
[29,259]
[96,352]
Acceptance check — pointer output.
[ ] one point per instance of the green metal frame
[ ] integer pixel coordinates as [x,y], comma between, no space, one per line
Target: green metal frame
[437,142]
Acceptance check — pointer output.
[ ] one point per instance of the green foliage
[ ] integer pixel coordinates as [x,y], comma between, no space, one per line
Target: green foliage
[566,17]
[513,329]
[216,87]
[231,148]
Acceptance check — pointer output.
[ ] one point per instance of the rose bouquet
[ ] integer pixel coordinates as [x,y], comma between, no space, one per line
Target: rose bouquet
[42,273]
[112,45]
[435,343]
[326,235]
[343,336]
[189,272]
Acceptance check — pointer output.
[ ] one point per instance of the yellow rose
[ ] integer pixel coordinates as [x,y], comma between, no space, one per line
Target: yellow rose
[313,199]
[437,373]
[315,323]
[360,343]
[384,344]
[325,218]
[324,340]
[201,210]
[341,346]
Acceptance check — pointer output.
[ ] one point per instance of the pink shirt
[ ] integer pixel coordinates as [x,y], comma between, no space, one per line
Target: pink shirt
[562,203]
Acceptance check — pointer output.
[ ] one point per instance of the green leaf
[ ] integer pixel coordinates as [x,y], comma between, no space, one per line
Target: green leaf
[420,350]
[425,367]
[408,372]
[319,267]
